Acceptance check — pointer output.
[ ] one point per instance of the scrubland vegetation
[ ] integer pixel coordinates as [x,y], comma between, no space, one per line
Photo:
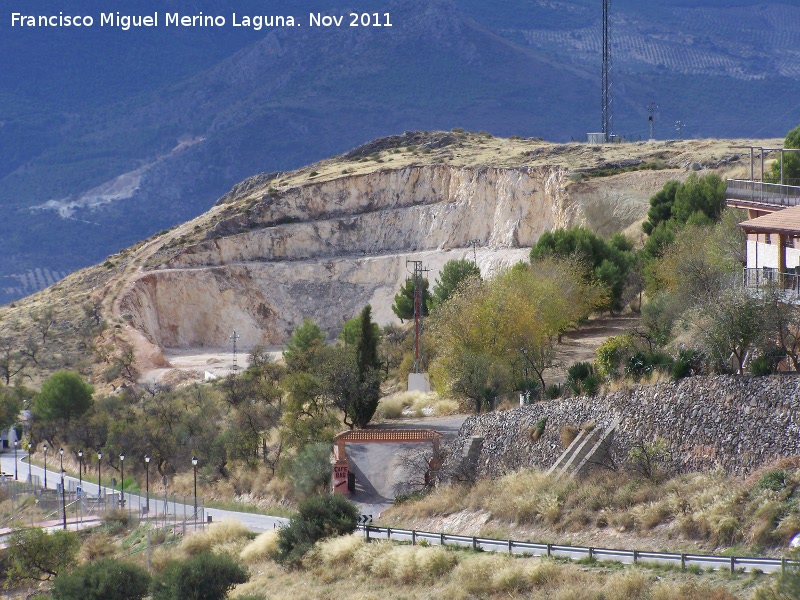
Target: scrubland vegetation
[265,435]
[700,510]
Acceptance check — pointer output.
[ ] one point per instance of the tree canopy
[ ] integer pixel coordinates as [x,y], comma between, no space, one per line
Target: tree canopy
[64,395]
[606,261]
[452,274]
[700,200]
[481,332]
[303,346]
[791,160]
[403,305]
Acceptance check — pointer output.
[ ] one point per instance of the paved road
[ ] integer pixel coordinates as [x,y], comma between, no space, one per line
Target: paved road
[135,502]
[381,470]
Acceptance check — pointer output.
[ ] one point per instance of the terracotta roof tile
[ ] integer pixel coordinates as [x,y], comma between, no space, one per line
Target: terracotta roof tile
[782,221]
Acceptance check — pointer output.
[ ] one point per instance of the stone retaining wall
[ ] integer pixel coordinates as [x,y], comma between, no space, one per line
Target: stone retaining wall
[734,423]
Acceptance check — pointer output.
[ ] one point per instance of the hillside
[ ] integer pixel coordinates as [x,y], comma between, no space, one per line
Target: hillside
[284,246]
[91,162]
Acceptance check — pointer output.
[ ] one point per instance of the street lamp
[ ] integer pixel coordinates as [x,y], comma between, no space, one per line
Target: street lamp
[63,499]
[99,479]
[61,452]
[80,469]
[122,480]
[45,466]
[147,484]
[194,466]
[16,443]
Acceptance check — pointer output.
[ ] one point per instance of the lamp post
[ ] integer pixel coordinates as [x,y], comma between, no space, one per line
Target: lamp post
[16,443]
[147,484]
[99,479]
[80,469]
[45,466]
[63,492]
[63,498]
[122,480]
[194,466]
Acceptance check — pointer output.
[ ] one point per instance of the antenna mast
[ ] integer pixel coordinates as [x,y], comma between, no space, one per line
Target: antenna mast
[606,79]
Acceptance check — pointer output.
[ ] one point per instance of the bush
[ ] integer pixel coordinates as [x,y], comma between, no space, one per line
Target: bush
[576,374]
[773,480]
[116,520]
[36,554]
[611,353]
[204,577]
[688,363]
[310,471]
[105,579]
[318,518]
[552,392]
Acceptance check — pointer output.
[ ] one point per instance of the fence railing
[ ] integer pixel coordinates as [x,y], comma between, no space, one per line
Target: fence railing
[707,561]
[789,281]
[760,192]
[167,510]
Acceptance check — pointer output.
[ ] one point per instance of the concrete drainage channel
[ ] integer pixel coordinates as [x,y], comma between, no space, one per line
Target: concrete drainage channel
[704,561]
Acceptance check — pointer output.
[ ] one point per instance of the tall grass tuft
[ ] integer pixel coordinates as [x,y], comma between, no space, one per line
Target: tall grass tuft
[261,547]
[216,536]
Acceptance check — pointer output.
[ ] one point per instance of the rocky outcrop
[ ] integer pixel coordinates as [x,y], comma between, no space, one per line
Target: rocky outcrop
[324,250]
[737,424]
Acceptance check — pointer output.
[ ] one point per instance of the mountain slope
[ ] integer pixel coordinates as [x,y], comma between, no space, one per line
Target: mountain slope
[167,121]
[325,240]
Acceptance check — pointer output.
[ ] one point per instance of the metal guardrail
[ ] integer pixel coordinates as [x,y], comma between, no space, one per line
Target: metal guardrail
[759,192]
[713,561]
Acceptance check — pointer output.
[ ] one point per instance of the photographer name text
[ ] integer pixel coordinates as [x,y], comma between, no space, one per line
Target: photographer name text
[173,19]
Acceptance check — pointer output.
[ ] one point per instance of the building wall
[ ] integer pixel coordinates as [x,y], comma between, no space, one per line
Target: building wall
[768,255]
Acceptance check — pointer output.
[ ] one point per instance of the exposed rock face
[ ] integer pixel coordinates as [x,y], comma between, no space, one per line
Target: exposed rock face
[324,250]
[734,423]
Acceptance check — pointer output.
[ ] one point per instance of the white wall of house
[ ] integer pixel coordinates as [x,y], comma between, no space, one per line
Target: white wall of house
[767,255]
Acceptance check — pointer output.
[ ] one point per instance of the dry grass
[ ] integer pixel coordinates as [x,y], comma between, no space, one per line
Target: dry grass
[348,567]
[415,404]
[568,435]
[219,537]
[710,510]
[261,547]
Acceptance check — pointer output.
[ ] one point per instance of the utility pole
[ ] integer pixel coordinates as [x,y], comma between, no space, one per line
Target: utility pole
[419,272]
[474,244]
[234,336]
[651,108]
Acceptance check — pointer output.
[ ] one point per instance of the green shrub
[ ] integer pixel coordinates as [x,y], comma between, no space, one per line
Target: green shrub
[317,518]
[310,471]
[591,385]
[773,480]
[611,353]
[552,392]
[36,554]
[760,367]
[203,577]
[104,579]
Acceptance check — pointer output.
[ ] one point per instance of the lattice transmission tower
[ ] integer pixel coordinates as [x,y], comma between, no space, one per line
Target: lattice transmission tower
[607,116]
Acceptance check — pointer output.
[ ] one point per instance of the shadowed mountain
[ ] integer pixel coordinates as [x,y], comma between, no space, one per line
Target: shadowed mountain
[101,149]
